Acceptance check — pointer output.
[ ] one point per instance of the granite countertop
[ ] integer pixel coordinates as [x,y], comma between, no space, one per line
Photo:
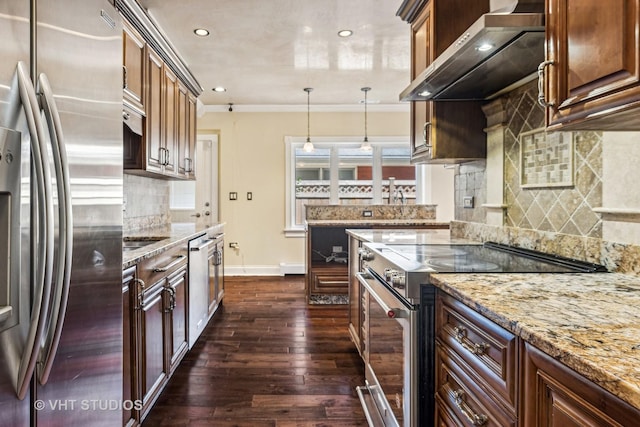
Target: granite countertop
[368,222]
[164,238]
[589,322]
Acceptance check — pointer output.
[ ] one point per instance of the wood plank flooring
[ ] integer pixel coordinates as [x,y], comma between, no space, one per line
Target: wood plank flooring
[267,359]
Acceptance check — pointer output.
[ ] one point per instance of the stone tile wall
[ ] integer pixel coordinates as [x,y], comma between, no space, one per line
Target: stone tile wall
[146,202]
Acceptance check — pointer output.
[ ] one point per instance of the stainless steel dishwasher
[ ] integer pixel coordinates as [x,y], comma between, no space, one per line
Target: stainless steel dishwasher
[199,274]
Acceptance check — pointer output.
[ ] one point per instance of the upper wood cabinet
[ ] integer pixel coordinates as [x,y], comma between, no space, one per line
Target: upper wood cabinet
[152,149]
[592,76]
[442,132]
[159,92]
[134,61]
[170,150]
[185,134]
[167,145]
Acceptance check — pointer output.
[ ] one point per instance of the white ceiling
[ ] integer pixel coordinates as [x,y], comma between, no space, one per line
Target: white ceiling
[266,51]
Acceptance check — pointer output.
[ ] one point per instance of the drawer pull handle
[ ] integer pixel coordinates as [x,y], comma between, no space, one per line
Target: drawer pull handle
[475,419]
[169,266]
[474,348]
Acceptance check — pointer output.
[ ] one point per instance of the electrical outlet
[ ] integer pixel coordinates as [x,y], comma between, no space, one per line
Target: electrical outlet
[467,202]
[336,249]
[367,214]
[233,195]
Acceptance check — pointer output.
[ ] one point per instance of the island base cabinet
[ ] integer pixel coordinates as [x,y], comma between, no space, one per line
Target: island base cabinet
[556,396]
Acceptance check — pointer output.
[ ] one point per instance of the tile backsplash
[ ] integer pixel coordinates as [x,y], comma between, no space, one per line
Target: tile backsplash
[146,202]
[553,212]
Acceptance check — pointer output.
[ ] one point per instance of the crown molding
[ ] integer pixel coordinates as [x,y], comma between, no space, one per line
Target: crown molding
[322,108]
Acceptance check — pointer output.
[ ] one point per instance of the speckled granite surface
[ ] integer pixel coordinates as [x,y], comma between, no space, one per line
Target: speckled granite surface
[590,322]
[163,238]
[378,212]
[405,223]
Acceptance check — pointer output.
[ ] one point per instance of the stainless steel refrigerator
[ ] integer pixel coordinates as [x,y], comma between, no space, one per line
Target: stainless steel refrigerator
[60,213]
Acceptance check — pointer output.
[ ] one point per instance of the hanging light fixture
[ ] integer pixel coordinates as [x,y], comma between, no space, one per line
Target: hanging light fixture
[308,146]
[365,143]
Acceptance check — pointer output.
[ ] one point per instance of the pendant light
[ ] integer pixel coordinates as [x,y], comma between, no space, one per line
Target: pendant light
[308,146]
[365,143]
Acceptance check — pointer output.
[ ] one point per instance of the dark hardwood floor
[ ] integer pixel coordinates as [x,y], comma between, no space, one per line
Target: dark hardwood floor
[267,359]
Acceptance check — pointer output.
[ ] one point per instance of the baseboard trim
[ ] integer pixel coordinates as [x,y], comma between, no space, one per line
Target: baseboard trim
[264,270]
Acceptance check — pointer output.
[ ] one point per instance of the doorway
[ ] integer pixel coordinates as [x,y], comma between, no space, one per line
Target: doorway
[197,201]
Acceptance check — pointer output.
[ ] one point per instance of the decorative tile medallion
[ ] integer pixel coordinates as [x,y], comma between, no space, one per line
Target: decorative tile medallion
[546,159]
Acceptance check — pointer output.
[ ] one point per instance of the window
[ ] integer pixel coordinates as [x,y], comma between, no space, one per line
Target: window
[337,171]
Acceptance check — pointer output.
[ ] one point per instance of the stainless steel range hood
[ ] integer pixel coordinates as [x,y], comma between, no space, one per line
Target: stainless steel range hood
[514,38]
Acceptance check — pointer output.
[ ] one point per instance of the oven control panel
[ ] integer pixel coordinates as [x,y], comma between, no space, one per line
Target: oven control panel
[395,278]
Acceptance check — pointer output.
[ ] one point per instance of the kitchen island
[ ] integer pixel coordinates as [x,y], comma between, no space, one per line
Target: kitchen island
[588,322]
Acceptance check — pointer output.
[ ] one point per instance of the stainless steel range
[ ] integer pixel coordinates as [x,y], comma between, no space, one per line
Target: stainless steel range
[399,321]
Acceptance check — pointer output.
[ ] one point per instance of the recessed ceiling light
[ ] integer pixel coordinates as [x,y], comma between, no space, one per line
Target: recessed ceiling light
[202,32]
[219,89]
[345,33]
[485,47]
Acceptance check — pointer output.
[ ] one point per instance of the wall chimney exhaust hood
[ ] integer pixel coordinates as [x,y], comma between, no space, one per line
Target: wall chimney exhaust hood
[500,50]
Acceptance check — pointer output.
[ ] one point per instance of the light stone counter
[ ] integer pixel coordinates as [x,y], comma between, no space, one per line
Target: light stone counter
[163,238]
[589,322]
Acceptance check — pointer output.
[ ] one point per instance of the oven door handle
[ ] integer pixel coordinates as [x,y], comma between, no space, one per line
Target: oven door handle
[393,313]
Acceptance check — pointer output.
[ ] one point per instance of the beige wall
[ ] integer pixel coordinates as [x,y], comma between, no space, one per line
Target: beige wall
[252,158]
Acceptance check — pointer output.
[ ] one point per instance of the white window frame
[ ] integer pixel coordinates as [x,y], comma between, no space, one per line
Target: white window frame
[292,142]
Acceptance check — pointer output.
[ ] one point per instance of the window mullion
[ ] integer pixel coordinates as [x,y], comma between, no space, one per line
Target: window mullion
[334,176]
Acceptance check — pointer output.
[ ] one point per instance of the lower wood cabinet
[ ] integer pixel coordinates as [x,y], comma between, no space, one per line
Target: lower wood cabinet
[130,416]
[486,376]
[556,396]
[476,367]
[156,337]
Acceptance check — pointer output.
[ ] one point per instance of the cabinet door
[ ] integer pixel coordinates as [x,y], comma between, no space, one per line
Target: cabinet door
[153,136]
[182,123]
[421,57]
[176,312]
[596,71]
[170,140]
[134,64]
[192,135]
[152,360]
[556,396]
[129,394]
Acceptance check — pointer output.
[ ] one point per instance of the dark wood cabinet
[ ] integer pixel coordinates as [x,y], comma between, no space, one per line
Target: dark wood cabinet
[159,334]
[327,258]
[152,154]
[169,138]
[556,396]
[130,415]
[476,366]
[442,132]
[151,353]
[592,78]
[216,276]
[176,317]
[134,64]
[162,107]
[487,376]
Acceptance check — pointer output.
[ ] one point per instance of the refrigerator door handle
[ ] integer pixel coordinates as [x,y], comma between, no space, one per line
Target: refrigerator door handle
[60,292]
[42,243]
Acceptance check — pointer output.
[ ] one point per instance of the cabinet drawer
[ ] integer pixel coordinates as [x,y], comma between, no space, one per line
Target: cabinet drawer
[330,281]
[162,265]
[461,400]
[487,351]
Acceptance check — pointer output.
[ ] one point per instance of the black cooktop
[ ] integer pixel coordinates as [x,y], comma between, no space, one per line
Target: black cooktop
[487,258]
